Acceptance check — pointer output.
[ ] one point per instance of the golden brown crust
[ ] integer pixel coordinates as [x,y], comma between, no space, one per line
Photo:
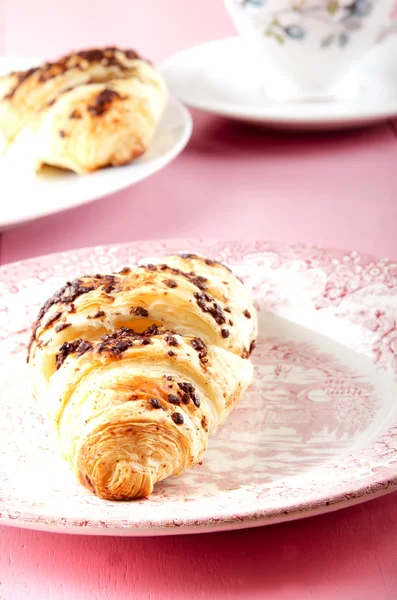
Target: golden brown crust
[210,294]
[88,110]
[110,56]
[132,385]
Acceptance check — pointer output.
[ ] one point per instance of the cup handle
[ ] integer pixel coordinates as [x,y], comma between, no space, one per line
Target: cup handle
[389,29]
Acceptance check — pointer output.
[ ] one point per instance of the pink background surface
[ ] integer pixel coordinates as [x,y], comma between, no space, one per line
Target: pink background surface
[232,181]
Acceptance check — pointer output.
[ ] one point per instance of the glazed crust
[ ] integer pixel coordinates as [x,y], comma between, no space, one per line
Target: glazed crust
[135,372]
[86,111]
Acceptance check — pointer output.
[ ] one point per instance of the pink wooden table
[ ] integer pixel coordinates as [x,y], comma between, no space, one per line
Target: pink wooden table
[232,181]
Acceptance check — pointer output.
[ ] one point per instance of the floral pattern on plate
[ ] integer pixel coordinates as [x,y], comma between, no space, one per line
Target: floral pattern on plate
[316,431]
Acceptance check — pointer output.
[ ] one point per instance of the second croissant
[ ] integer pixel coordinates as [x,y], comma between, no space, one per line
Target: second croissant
[89,109]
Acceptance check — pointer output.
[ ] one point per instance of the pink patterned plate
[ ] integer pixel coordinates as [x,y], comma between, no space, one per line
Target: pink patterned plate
[316,432]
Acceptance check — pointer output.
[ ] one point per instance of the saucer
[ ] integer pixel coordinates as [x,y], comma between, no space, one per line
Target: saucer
[214,77]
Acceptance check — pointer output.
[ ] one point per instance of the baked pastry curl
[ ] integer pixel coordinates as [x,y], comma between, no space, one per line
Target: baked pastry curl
[89,110]
[137,368]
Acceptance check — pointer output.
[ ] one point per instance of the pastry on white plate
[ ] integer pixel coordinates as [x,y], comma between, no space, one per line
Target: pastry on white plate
[89,110]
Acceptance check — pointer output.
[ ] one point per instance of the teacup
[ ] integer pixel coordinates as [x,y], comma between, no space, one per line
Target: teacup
[307,49]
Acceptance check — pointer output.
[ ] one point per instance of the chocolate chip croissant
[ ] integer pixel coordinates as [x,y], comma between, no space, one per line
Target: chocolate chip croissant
[88,110]
[137,368]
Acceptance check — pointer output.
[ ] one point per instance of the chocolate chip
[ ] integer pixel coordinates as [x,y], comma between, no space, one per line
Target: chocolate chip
[109,282]
[252,347]
[62,134]
[219,318]
[67,294]
[131,54]
[83,347]
[152,330]
[198,281]
[171,353]
[171,341]
[79,346]
[139,311]
[196,400]
[78,60]
[225,333]
[155,403]
[177,418]
[188,393]
[170,283]
[122,339]
[125,271]
[21,77]
[186,387]
[208,305]
[103,102]
[97,315]
[174,399]
[247,314]
[200,347]
[61,327]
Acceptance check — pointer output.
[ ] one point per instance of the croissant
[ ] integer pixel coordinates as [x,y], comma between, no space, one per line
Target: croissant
[136,369]
[89,110]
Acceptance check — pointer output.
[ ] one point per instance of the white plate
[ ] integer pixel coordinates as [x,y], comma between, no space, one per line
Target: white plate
[215,77]
[24,198]
[316,432]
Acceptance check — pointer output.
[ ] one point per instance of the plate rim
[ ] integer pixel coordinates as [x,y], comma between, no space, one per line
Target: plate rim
[46,525]
[227,520]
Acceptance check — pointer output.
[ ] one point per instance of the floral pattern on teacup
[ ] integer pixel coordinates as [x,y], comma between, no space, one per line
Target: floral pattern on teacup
[343,18]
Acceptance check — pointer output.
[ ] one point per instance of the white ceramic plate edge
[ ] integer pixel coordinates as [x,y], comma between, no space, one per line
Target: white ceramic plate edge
[156,166]
[276,115]
[231,525]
